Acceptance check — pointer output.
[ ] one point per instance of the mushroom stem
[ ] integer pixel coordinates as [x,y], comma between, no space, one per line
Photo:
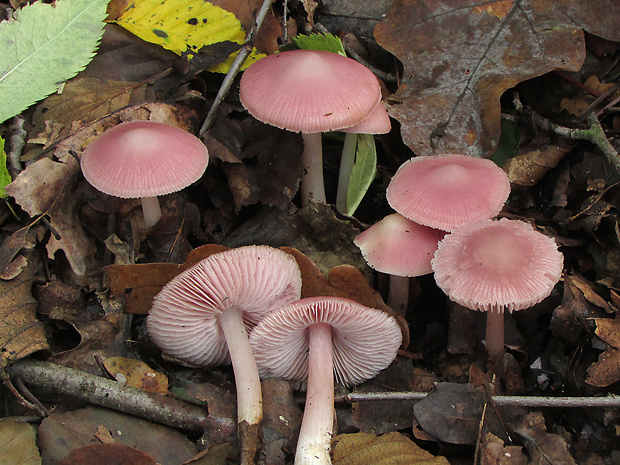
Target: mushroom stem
[151,211]
[344,174]
[315,435]
[398,294]
[495,333]
[249,399]
[312,170]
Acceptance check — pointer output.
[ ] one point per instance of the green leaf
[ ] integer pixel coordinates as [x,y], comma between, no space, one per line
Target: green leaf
[326,42]
[363,173]
[5,177]
[45,46]
[508,142]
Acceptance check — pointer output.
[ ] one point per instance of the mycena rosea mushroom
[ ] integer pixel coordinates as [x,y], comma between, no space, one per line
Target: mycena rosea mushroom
[497,266]
[448,191]
[144,159]
[311,92]
[314,341]
[203,314]
[401,248]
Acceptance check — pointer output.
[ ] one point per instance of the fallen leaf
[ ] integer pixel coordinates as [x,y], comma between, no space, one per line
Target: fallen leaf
[607,370]
[388,449]
[21,334]
[544,448]
[453,413]
[18,443]
[528,168]
[45,46]
[142,282]
[60,433]
[579,104]
[460,58]
[185,27]
[107,454]
[137,374]
[494,452]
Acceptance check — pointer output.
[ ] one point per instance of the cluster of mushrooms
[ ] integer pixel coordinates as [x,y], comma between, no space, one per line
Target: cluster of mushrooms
[244,306]
[444,223]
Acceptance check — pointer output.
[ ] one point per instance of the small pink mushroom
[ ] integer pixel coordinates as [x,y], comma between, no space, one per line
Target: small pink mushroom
[311,92]
[144,159]
[401,248]
[448,191]
[496,266]
[315,340]
[203,315]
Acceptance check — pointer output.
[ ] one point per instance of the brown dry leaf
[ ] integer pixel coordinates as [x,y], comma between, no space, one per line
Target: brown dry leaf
[107,454]
[60,433]
[528,168]
[343,281]
[20,332]
[453,412]
[142,282]
[137,374]
[24,238]
[494,452]
[544,448]
[460,58]
[18,443]
[607,370]
[388,449]
[579,104]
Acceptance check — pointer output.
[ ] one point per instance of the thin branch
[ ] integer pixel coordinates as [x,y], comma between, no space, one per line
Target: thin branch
[594,133]
[235,68]
[108,393]
[610,400]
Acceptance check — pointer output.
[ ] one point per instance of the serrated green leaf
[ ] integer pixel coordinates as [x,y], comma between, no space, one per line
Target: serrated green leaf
[326,42]
[185,27]
[45,46]
[363,173]
[5,177]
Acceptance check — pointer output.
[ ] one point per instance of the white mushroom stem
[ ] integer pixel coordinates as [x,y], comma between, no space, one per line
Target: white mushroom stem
[347,161]
[398,295]
[247,380]
[495,333]
[312,170]
[315,436]
[150,210]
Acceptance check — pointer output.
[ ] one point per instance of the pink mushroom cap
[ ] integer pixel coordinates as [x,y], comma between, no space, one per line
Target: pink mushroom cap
[378,122]
[448,191]
[309,91]
[144,159]
[365,340]
[497,265]
[399,246]
[184,318]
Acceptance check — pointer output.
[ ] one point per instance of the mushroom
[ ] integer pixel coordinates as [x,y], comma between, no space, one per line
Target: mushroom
[315,340]
[377,123]
[496,266]
[144,159]
[309,91]
[448,191]
[203,314]
[401,248]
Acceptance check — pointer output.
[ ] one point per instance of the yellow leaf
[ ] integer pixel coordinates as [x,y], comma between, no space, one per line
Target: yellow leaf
[137,374]
[389,449]
[185,26]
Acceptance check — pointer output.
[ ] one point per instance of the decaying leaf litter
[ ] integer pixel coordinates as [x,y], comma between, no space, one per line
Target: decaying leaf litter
[516,81]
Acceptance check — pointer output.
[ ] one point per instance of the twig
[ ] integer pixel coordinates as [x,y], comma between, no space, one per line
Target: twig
[235,67]
[610,400]
[594,133]
[111,394]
